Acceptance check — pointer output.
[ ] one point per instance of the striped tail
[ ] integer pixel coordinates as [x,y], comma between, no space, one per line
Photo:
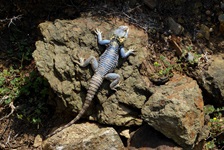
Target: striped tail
[94,85]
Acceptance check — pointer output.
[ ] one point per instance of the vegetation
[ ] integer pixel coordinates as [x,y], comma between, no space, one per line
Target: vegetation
[216,126]
[29,91]
[10,83]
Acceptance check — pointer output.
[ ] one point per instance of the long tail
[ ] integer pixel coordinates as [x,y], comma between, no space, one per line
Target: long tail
[94,85]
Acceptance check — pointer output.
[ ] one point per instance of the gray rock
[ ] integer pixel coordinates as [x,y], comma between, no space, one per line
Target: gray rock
[174,27]
[147,138]
[150,3]
[212,79]
[176,110]
[84,136]
[64,41]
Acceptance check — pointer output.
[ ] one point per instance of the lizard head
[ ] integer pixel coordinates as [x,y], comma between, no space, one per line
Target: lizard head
[121,33]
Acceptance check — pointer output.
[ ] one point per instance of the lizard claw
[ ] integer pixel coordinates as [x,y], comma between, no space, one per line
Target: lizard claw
[131,51]
[97,31]
[116,86]
[80,62]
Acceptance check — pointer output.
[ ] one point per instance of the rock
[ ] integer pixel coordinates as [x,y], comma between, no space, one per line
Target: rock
[222,5]
[64,40]
[150,3]
[174,27]
[37,141]
[125,133]
[212,79]
[147,138]
[221,20]
[84,136]
[204,32]
[176,110]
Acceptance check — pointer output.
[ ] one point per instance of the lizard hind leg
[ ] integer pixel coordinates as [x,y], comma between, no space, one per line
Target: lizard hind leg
[91,60]
[115,80]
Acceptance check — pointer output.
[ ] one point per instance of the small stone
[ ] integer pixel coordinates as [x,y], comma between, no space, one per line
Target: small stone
[221,44]
[151,3]
[221,20]
[209,19]
[37,141]
[205,31]
[175,27]
[208,12]
[125,133]
[222,6]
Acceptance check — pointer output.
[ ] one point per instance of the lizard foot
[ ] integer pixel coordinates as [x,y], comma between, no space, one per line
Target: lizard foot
[80,62]
[98,32]
[116,86]
[114,89]
[131,51]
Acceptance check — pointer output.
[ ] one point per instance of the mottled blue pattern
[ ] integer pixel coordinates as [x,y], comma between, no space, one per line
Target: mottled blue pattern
[109,59]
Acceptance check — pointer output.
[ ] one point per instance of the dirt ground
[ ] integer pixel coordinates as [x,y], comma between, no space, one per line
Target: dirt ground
[19,30]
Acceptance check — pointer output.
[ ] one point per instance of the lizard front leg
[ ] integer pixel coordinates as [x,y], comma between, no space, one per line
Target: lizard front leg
[126,54]
[99,37]
[91,60]
[115,80]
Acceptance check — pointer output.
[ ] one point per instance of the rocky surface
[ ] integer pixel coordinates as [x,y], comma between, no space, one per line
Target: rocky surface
[84,136]
[63,41]
[176,110]
[202,33]
[212,79]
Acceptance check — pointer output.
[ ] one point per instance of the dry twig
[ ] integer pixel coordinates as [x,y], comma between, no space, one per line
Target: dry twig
[11,20]
[8,139]
[5,129]
[11,105]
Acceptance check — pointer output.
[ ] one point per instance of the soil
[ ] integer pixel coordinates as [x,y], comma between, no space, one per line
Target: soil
[19,28]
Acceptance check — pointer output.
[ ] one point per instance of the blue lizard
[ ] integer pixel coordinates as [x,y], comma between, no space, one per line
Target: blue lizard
[104,69]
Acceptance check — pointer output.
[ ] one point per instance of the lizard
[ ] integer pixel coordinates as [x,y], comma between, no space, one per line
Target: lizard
[104,68]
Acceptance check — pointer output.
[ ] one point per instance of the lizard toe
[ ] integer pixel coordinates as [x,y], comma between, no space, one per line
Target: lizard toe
[97,31]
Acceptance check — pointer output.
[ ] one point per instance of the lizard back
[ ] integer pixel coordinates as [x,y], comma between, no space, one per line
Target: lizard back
[109,59]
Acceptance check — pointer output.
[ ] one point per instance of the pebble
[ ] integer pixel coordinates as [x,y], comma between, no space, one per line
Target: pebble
[205,31]
[175,27]
[222,6]
[126,133]
[208,12]
[37,141]
[221,26]
[150,3]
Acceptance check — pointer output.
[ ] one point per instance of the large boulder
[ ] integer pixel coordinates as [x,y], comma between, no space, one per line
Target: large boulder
[64,41]
[176,110]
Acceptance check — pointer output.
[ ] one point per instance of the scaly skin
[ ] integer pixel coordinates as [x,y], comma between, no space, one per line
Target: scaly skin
[103,70]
